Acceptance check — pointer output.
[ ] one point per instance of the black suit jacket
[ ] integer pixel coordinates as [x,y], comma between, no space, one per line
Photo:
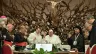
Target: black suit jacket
[92,34]
[19,37]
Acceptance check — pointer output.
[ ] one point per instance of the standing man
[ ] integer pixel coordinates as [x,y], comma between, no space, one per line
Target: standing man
[92,33]
[9,34]
[3,31]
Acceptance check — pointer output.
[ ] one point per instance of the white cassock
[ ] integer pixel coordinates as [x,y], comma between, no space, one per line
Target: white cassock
[53,39]
[34,35]
[44,41]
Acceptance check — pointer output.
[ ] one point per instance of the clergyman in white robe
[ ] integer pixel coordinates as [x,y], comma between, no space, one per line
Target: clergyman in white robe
[34,38]
[54,39]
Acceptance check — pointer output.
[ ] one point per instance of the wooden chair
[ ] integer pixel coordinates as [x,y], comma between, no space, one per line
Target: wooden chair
[88,51]
[6,49]
[93,49]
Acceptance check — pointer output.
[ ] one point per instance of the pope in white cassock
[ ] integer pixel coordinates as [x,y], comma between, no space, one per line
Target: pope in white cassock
[52,38]
[35,37]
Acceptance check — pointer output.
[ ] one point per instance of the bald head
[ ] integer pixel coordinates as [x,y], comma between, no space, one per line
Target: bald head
[10,27]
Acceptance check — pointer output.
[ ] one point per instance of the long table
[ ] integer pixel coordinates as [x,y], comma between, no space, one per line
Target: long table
[62,52]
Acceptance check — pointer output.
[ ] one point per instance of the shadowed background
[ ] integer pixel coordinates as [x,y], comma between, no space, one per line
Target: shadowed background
[61,19]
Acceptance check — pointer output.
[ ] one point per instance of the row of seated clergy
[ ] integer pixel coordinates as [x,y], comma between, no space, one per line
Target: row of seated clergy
[35,38]
[20,40]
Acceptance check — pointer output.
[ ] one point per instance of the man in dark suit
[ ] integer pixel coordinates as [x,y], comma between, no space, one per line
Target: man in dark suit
[92,33]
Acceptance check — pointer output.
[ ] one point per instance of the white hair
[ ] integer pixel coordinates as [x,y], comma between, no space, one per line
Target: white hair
[87,24]
[50,30]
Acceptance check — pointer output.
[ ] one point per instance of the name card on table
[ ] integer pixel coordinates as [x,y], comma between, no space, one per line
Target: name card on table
[46,47]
